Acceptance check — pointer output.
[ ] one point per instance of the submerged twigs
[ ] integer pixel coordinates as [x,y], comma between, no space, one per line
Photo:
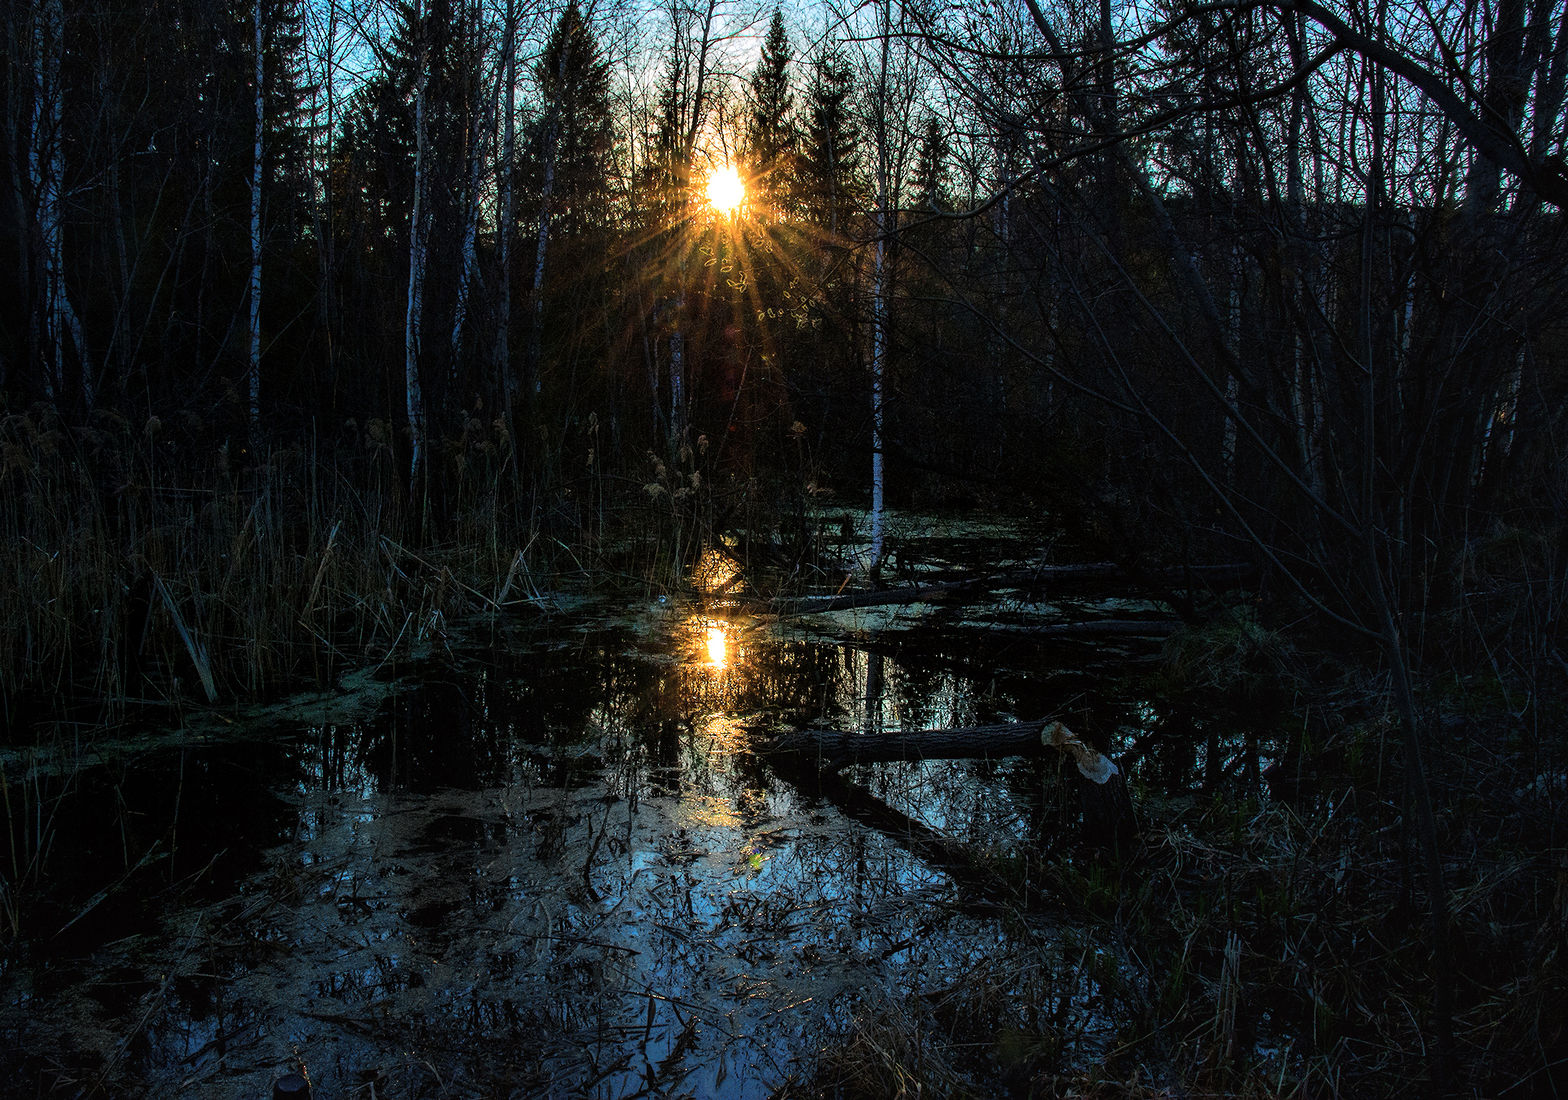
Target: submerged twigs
[321,570]
[193,646]
[1031,577]
[831,750]
[1108,816]
[152,855]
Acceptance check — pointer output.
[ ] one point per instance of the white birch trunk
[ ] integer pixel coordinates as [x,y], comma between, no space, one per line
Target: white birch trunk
[878,369]
[503,349]
[1232,387]
[416,280]
[253,373]
[536,321]
[465,277]
[477,150]
[696,105]
[879,295]
[46,165]
[678,368]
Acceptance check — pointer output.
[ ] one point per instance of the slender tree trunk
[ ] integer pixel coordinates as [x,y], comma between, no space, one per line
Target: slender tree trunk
[1382,560]
[1552,75]
[541,247]
[698,73]
[329,238]
[416,281]
[878,370]
[253,373]
[46,163]
[677,420]
[476,156]
[505,230]
[880,278]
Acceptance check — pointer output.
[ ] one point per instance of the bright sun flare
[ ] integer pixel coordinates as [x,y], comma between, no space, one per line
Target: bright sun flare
[717,646]
[725,189]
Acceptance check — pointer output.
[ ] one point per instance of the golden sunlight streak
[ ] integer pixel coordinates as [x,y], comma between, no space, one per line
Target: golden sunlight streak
[717,648]
[726,191]
[715,574]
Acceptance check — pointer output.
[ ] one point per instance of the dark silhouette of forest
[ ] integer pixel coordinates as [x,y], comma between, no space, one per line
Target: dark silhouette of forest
[322,319]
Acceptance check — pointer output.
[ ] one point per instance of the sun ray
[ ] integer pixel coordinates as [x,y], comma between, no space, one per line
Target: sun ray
[726,190]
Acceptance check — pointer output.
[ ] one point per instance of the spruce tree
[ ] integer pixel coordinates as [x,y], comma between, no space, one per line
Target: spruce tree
[770,143]
[828,183]
[930,182]
[575,134]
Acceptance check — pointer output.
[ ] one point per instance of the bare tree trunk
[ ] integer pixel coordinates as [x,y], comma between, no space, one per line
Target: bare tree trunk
[504,230]
[880,279]
[677,419]
[253,372]
[1381,561]
[542,245]
[476,155]
[878,372]
[697,72]
[416,277]
[322,80]
[46,163]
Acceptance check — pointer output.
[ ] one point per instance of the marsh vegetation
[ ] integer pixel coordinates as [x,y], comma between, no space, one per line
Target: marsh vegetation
[451,450]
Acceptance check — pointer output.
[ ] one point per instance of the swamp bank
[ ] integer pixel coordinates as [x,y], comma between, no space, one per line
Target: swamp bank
[532,835]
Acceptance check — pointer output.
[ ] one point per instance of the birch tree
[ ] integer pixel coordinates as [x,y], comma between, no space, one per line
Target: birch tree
[414,403]
[253,372]
[506,174]
[46,169]
[891,96]
[480,129]
[685,101]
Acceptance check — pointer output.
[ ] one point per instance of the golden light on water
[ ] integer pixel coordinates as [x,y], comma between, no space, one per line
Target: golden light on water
[726,190]
[718,647]
[715,574]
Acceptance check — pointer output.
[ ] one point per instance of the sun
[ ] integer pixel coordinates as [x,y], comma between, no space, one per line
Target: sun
[726,191]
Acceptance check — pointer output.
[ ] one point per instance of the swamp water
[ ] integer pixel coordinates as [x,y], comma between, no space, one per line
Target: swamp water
[548,863]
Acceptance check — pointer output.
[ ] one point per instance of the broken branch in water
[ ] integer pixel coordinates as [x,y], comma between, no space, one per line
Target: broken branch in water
[1107,807]
[935,591]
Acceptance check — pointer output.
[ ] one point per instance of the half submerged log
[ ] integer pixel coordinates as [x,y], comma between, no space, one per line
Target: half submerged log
[831,750]
[940,591]
[1108,817]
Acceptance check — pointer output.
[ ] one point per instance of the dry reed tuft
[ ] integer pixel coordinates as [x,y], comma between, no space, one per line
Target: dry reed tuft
[143,565]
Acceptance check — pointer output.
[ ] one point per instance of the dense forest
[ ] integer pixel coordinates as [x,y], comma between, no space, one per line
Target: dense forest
[318,311]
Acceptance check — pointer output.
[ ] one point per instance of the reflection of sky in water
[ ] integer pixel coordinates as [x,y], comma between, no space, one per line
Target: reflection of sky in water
[555,870]
[564,875]
[626,879]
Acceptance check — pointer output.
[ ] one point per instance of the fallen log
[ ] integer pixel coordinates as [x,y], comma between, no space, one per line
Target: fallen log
[1104,628]
[882,597]
[831,750]
[1108,817]
[936,591]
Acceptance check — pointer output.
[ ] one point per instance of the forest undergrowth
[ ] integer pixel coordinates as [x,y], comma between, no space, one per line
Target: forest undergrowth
[1264,938]
[148,564]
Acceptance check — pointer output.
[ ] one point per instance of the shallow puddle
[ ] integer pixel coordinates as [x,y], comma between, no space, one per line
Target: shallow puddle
[546,864]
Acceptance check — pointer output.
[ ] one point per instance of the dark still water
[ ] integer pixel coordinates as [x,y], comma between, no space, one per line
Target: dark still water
[544,860]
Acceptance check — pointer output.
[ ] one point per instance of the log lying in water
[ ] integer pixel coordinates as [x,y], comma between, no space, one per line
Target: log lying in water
[937,591]
[831,750]
[1107,807]
[934,592]
[1106,628]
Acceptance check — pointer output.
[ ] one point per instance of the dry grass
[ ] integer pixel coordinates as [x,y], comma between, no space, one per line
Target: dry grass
[1256,949]
[136,566]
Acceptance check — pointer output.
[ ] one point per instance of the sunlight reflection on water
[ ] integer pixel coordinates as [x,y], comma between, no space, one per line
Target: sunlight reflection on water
[627,856]
[549,864]
[716,646]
